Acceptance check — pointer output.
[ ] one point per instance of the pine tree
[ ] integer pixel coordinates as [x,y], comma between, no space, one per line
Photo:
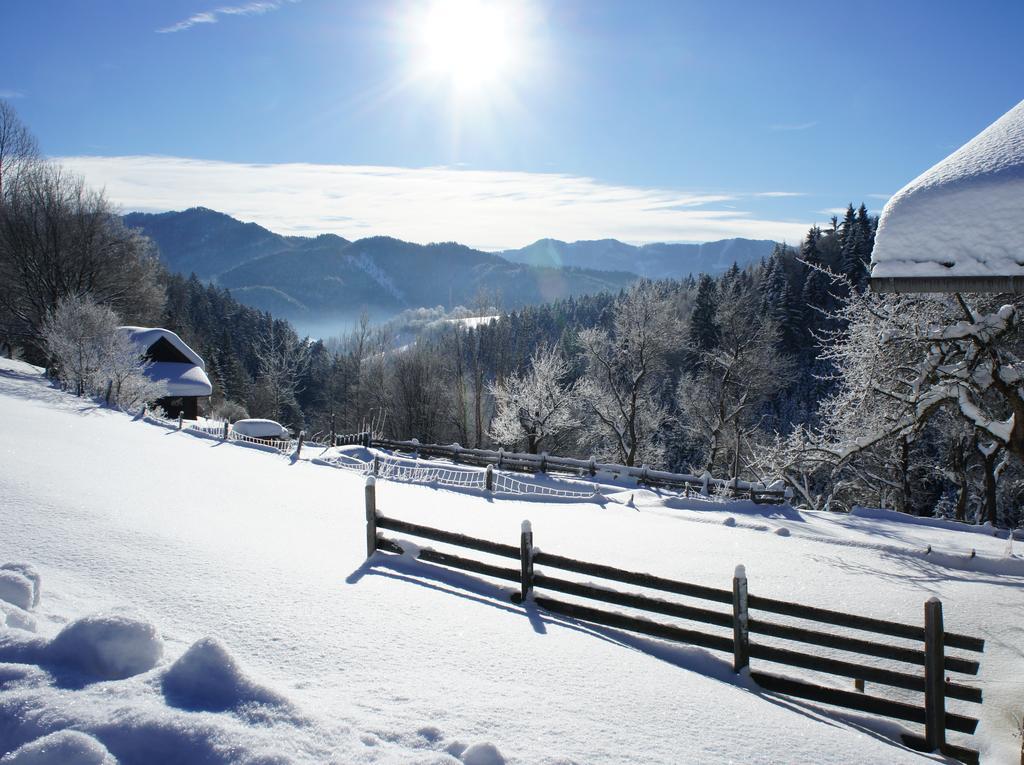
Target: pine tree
[703,330]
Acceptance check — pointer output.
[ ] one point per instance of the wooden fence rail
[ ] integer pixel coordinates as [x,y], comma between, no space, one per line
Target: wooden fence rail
[545,463]
[930,653]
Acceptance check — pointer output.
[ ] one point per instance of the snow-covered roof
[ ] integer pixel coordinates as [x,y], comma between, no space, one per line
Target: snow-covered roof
[181,378]
[145,337]
[959,225]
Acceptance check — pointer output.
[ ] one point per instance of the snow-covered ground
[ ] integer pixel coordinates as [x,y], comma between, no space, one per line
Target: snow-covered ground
[203,602]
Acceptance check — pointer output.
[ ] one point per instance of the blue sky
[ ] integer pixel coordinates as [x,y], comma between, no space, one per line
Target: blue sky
[640,120]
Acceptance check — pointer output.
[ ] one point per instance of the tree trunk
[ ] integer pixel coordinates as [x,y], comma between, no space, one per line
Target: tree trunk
[989,466]
[904,468]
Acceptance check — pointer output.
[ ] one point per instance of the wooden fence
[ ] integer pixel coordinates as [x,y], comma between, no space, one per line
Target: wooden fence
[545,463]
[744,619]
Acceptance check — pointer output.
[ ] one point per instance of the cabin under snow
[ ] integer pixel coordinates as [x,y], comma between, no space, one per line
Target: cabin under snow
[176,365]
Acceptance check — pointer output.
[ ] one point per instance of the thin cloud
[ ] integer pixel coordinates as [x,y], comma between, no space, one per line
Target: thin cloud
[485,209]
[778,194]
[11,94]
[794,126]
[256,8]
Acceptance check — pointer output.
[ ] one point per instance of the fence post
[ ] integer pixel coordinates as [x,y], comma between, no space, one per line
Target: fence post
[376,464]
[501,457]
[298,449]
[740,619]
[543,462]
[643,475]
[934,676]
[366,439]
[225,430]
[489,478]
[526,560]
[704,483]
[180,416]
[371,516]
[592,466]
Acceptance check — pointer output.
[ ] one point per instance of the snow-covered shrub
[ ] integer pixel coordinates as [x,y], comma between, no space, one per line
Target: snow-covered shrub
[16,588]
[229,410]
[109,646]
[65,747]
[207,677]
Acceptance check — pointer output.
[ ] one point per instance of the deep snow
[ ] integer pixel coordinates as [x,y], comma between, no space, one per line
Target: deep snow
[279,643]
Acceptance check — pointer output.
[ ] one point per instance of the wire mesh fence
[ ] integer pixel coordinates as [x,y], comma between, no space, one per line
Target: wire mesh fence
[512,485]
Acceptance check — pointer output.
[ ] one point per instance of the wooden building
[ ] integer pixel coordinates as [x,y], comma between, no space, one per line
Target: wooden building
[174,364]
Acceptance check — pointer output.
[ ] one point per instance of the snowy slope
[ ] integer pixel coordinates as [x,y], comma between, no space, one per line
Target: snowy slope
[318,657]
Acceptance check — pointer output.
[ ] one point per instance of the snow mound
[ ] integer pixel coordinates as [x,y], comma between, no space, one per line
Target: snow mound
[17,589]
[484,753]
[108,646]
[66,747]
[729,521]
[782,531]
[17,618]
[206,677]
[260,429]
[29,573]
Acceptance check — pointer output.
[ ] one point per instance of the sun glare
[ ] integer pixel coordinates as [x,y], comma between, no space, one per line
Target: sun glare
[470,43]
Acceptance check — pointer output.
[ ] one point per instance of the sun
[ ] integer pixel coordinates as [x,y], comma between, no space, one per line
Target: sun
[469,43]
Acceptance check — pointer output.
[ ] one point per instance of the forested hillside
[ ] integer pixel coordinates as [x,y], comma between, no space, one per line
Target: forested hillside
[651,261]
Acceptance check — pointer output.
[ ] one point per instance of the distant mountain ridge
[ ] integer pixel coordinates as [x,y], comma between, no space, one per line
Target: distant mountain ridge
[325,279]
[651,261]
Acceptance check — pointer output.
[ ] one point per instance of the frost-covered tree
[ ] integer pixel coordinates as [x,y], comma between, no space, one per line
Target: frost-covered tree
[283,359]
[622,390]
[719,399]
[904,362]
[92,357]
[18,146]
[60,238]
[536,407]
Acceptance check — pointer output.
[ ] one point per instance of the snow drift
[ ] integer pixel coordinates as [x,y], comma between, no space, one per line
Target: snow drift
[107,646]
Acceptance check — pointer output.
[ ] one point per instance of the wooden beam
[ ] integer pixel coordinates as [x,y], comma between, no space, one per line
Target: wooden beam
[948,284]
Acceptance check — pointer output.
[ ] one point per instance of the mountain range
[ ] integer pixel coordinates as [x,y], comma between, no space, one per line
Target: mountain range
[651,261]
[322,283]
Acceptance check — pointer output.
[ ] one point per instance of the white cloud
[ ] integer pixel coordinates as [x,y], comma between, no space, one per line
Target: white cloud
[779,194]
[256,8]
[794,126]
[485,209]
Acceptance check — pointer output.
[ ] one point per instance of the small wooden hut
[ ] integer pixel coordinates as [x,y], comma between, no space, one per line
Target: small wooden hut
[174,364]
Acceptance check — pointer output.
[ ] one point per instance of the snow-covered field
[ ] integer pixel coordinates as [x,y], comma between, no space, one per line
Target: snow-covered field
[203,602]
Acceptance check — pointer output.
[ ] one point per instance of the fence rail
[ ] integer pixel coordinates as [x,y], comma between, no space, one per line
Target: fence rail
[544,463]
[930,653]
